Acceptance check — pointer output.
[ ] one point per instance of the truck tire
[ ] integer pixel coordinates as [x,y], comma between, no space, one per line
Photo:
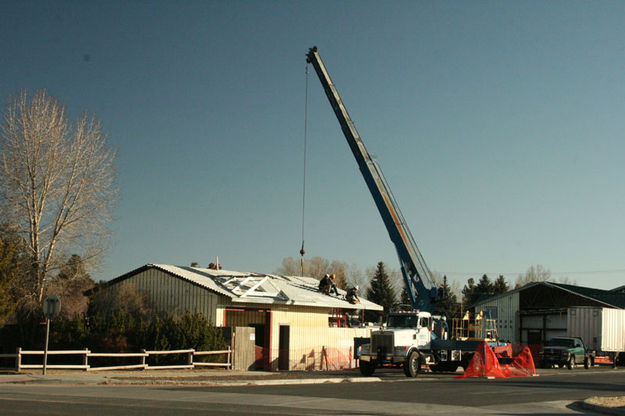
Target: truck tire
[586,362]
[412,364]
[367,368]
[466,360]
[571,362]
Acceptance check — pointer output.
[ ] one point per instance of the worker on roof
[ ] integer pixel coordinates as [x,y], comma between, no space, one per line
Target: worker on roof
[333,284]
[352,295]
[327,285]
[324,284]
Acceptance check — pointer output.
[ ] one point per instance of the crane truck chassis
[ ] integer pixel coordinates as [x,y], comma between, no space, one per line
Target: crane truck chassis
[414,340]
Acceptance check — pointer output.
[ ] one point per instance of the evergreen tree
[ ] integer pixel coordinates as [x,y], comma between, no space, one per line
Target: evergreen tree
[472,293]
[469,293]
[447,303]
[404,301]
[483,289]
[500,285]
[381,290]
[12,265]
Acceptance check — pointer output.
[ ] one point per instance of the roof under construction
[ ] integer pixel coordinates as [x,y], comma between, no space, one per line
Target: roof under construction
[260,288]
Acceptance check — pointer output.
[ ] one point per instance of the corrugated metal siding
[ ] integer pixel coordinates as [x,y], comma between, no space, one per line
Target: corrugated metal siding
[585,323]
[173,295]
[507,308]
[613,330]
[602,329]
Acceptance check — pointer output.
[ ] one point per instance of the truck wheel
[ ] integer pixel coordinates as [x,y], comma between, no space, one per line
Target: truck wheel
[586,362]
[367,368]
[466,360]
[571,362]
[412,364]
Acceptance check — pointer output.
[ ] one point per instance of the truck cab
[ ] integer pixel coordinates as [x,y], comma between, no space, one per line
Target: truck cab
[410,329]
[404,339]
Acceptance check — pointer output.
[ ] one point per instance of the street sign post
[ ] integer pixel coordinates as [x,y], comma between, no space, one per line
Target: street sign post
[51,308]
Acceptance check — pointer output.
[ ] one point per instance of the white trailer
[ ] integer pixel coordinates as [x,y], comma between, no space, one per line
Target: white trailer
[602,329]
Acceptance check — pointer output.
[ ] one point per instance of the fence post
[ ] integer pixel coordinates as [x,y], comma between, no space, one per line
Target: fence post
[18,359]
[190,357]
[229,362]
[86,360]
[143,359]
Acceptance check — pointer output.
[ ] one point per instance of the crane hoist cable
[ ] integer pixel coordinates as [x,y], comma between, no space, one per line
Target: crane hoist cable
[302,251]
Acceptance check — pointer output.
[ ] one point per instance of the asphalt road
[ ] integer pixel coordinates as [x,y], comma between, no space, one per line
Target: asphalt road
[552,393]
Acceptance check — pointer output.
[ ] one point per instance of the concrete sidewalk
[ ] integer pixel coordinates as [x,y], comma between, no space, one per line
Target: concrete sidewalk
[185,377]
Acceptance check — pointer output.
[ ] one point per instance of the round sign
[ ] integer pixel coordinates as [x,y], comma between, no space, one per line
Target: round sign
[51,306]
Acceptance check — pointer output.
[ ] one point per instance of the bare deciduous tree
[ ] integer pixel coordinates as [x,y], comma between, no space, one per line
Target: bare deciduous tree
[57,182]
[316,267]
[535,273]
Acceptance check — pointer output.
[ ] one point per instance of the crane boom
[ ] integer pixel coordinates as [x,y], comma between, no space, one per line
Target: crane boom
[416,274]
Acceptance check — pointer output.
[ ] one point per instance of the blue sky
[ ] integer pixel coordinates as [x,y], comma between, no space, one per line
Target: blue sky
[498,124]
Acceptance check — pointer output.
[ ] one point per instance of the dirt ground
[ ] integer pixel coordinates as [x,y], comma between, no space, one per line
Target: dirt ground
[618,401]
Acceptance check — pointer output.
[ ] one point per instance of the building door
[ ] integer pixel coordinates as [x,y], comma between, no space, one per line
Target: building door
[243,348]
[260,322]
[284,347]
[259,340]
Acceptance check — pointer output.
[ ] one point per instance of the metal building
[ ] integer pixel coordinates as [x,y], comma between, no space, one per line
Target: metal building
[538,311]
[295,326]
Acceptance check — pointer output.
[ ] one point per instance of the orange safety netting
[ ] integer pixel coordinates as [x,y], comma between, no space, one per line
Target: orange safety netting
[485,362]
[337,359]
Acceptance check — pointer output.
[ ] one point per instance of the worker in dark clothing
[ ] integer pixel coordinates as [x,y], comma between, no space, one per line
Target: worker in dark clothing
[352,295]
[333,285]
[326,285]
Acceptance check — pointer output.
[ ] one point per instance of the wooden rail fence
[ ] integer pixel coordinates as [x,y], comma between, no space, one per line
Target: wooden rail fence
[86,354]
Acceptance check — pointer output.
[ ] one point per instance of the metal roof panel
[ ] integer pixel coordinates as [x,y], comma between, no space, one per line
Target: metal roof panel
[244,287]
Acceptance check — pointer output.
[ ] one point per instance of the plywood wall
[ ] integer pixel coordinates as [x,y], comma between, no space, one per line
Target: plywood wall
[313,344]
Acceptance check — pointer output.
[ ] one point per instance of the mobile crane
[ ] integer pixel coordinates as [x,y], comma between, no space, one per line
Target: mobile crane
[417,276]
[408,338]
